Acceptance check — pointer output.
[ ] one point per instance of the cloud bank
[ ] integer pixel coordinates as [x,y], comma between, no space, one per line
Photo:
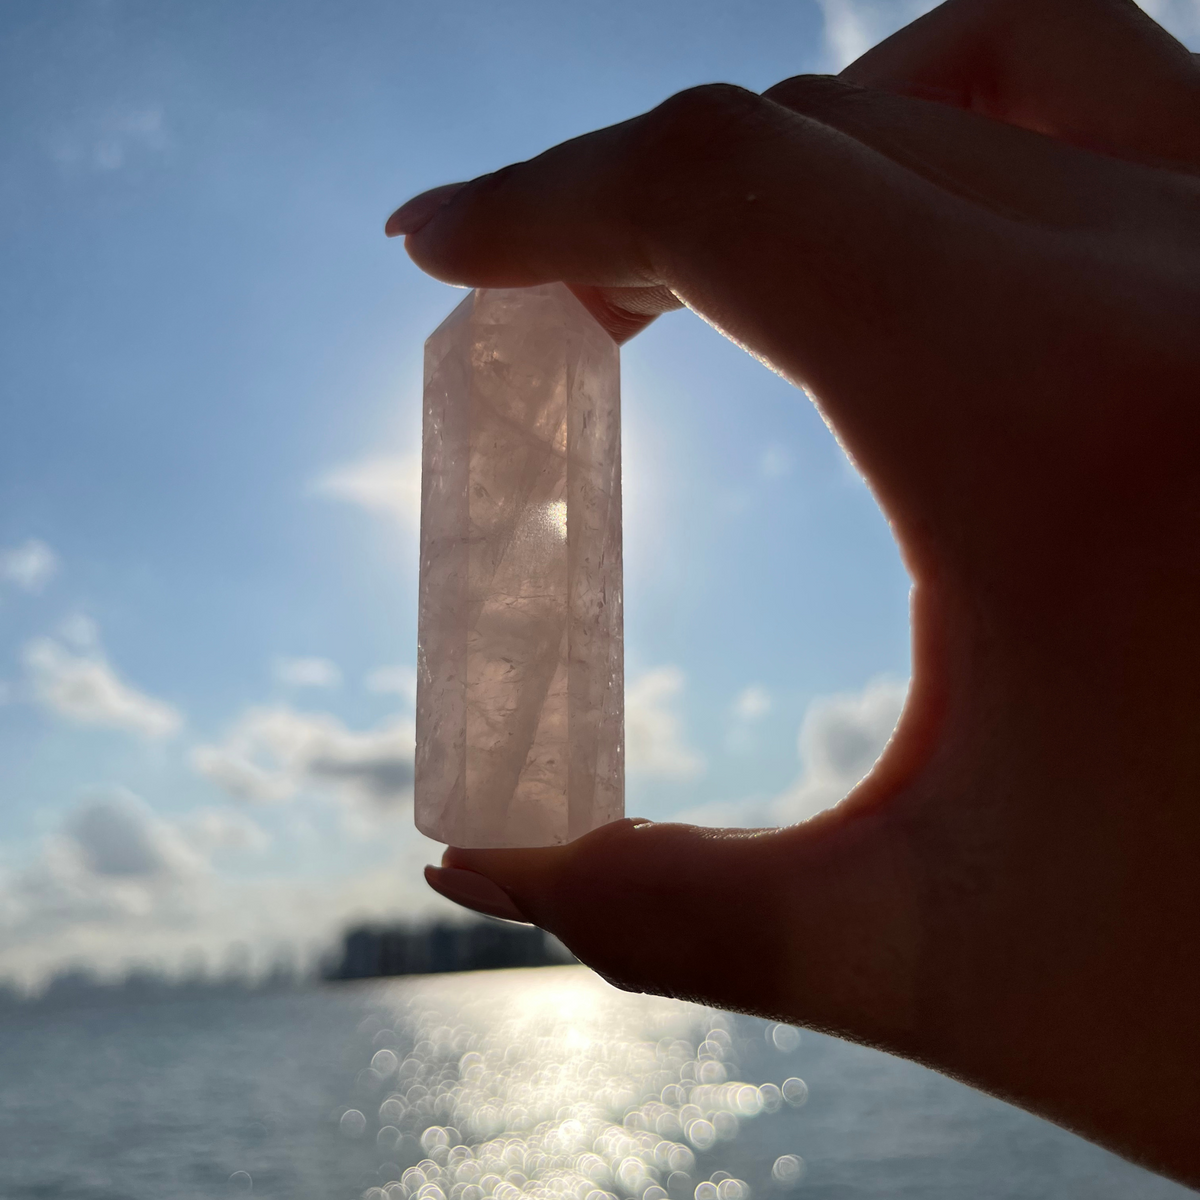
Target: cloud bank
[85,689]
[840,739]
[275,753]
[115,884]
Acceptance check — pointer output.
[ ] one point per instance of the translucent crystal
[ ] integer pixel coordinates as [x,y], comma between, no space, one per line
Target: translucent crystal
[520,681]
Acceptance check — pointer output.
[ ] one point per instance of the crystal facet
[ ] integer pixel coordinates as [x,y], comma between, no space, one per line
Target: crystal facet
[520,679]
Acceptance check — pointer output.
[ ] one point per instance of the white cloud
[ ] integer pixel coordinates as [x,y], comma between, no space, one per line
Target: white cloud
[752,703]
[214,829]
[654,737]
[840,740]
[398,679]
[307,672]
[117,837]
[749,706]
[30,566]
[85,688]
[390,485]
[852,27]
[117,883]
[275,753]
[107,141]
[841,737]
[112,860]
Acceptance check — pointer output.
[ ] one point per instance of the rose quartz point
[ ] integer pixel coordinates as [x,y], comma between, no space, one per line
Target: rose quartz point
[520,675]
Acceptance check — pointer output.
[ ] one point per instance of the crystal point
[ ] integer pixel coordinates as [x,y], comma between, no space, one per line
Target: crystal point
[520,678]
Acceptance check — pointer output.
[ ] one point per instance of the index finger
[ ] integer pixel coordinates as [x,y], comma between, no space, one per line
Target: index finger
[1099,73]
[845,270]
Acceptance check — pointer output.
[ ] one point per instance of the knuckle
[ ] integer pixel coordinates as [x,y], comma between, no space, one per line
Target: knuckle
[811,94]
[706,103]
[699,118]
[690,138]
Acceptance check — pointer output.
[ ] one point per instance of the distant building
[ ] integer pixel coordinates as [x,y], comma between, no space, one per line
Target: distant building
[367,952]
[371,951]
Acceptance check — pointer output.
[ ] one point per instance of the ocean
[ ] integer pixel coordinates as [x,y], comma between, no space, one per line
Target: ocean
[540,1084]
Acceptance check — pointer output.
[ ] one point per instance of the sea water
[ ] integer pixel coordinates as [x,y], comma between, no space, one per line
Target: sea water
[511,1085]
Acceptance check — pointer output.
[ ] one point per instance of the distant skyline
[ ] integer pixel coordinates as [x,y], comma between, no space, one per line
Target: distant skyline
[208,466]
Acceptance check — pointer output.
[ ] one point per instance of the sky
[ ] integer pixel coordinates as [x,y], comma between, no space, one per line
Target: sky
[210,406]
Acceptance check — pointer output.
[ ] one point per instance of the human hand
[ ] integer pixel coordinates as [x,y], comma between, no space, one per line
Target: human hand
[979,251]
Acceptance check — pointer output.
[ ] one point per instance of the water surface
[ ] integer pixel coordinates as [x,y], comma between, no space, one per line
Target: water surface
[509,1085]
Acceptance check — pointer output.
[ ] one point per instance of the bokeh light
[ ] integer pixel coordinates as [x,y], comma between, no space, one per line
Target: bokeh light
[788,1170]
[572,1091]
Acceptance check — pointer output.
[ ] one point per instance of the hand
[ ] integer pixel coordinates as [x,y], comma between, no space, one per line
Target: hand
[979,251]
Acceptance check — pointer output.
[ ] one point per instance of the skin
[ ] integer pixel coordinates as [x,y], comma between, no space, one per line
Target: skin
[978,250]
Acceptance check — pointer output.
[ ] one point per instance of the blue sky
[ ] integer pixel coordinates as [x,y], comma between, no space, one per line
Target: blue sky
[210,398]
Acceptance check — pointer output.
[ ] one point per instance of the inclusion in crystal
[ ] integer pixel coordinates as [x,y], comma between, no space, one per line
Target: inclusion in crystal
[520,677]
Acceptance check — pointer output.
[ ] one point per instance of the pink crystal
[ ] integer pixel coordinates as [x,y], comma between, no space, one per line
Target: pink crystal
[520,678]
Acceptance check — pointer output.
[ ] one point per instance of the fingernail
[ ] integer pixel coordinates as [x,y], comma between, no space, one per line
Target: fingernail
[472,890]
[420,210]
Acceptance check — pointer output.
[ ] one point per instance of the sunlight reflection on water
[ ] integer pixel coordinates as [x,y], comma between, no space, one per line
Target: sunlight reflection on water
[218,1096]
[484,1086]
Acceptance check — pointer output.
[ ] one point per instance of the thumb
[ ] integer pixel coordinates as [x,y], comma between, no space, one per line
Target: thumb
[813,924]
